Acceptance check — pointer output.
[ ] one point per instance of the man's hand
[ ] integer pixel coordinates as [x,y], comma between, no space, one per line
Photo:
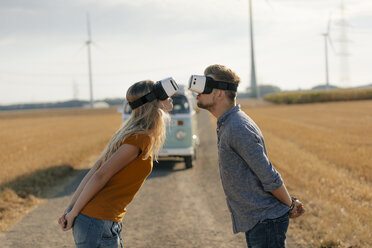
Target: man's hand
[297,209]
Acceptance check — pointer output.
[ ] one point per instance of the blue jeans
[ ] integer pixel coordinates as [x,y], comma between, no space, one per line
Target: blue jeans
[269,233]
[91,232]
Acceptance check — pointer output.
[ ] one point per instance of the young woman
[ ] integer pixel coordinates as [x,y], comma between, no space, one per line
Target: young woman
[99,203]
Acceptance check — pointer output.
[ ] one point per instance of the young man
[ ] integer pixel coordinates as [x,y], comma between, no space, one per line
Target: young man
[256,196]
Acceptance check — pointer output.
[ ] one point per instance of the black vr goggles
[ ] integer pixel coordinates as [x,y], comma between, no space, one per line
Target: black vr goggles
[162,90]
[205,85]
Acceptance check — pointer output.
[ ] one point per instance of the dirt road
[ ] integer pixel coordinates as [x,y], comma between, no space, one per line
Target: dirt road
[174,208]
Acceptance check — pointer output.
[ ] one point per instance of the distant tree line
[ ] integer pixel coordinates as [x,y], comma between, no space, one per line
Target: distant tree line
[263,90]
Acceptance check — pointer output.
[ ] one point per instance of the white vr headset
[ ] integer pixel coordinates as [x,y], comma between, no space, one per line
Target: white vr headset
[162,90]
[205,85]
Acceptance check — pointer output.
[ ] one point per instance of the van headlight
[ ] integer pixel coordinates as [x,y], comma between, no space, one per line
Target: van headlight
[181,134]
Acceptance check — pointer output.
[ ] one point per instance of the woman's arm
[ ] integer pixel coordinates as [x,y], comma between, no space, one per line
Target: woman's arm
[121,158]
[77,192]
[81,186]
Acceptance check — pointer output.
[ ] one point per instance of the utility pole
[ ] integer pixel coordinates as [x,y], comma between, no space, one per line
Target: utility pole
[88,43]
[254,90]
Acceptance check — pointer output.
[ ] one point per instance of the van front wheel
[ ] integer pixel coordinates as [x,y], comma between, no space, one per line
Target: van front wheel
[188,162]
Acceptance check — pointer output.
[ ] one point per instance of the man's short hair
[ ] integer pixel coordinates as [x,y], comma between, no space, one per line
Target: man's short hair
[222,73]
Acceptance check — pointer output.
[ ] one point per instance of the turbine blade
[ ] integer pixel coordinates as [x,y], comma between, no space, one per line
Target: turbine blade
[329,23]
[78,50]
[99,47]
[331,43]
[88,27]
[270,5]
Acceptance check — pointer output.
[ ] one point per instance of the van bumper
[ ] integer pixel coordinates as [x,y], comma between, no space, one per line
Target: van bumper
[176,152]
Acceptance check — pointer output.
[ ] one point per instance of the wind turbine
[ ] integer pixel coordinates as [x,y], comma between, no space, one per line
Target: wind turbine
[88,43]
[254,90]
[327,38]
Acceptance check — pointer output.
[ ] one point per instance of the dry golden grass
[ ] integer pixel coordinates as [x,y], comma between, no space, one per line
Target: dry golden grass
[324,153]
[38,147]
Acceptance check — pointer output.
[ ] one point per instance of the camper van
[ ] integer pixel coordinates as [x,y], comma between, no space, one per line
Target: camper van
[181,134]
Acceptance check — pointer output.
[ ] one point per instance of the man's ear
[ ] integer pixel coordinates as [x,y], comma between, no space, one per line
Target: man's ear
[215,92]
[221,93]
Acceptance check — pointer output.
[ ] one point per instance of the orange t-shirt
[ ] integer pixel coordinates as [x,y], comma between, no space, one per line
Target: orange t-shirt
[111,201]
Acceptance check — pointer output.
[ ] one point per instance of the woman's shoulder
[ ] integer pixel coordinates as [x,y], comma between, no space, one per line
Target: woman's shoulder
[140,135]
[138,138]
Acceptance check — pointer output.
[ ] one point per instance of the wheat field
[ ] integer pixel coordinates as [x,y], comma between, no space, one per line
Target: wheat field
[324,154]
[36,141]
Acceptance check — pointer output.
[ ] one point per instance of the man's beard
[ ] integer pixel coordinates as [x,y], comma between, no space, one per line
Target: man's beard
[206,106]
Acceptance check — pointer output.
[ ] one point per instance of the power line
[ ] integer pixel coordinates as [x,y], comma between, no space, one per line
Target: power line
[344,48]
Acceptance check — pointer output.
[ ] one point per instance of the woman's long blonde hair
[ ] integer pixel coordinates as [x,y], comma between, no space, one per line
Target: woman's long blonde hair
[147,119]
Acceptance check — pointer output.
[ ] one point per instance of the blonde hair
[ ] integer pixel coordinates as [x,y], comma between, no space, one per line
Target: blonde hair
[147,119]
[222,73]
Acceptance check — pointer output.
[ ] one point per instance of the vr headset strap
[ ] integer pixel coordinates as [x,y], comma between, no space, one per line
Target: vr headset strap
[221,85]
[142,100]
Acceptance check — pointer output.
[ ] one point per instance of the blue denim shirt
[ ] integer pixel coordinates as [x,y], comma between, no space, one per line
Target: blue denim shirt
[246,173]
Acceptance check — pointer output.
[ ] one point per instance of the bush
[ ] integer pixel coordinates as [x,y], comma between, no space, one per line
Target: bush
[319,96]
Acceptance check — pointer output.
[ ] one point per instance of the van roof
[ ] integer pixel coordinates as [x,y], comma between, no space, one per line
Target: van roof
[181,89]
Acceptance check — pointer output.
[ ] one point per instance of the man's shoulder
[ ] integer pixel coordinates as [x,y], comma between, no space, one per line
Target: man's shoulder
[241,125]
[237,119]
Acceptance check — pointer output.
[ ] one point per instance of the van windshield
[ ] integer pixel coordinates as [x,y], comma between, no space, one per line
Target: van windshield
[180,105]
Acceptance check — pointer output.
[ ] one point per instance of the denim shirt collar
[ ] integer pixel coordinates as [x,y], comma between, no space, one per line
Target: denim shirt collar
[225,115]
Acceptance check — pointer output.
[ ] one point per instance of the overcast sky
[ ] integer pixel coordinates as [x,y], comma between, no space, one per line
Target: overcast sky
[43,56]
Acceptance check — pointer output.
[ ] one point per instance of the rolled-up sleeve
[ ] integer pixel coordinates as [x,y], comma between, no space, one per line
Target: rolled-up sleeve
[250,147]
